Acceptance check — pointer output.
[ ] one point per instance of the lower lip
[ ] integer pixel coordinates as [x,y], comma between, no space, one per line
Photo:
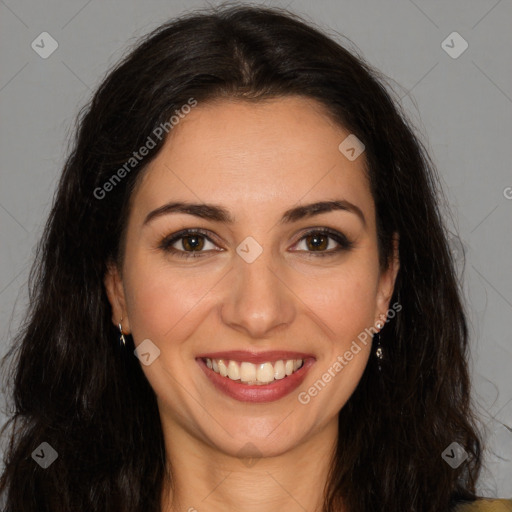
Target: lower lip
[257,393]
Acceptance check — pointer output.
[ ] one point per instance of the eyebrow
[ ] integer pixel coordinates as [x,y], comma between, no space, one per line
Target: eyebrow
[220,214]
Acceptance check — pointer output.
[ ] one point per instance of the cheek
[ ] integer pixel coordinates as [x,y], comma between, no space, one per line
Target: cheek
[345,299]
[161,302]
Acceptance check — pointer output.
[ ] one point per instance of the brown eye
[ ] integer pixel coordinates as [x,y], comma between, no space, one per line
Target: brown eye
[192,242]
[187,244]
[318,241]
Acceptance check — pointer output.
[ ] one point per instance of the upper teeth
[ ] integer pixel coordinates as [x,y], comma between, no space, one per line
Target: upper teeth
[250,373]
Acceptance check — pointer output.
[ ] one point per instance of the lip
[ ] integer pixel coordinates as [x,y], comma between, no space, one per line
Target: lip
[257,393]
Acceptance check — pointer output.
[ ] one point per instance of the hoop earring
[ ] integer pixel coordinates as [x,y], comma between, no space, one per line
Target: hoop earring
[379,352]
[122,341]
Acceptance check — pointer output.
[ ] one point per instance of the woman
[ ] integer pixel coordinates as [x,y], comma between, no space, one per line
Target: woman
[243,298]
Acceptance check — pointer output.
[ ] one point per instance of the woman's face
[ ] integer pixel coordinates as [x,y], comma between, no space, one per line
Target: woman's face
[256,279]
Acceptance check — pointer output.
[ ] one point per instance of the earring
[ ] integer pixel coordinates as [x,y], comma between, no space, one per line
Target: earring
[122,341]
[379,353]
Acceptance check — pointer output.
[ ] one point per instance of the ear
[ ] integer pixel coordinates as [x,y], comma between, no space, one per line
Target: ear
[387,282]
[115,291]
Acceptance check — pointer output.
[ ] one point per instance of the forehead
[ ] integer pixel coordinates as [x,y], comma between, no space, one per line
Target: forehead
[252,156]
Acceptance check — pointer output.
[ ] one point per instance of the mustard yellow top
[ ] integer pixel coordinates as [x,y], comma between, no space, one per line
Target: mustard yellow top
[486,506]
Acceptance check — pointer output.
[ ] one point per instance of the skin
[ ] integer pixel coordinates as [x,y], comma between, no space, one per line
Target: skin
[256,160]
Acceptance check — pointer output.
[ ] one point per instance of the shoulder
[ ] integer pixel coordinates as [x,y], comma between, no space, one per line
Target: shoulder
[484,505]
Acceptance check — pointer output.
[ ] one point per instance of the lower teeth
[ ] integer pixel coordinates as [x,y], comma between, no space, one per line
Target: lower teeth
[255,382]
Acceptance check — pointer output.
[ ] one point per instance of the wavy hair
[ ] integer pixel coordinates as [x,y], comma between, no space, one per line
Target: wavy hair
[73,386]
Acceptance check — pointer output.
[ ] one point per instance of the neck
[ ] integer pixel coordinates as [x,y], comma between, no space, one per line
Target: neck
[206,478]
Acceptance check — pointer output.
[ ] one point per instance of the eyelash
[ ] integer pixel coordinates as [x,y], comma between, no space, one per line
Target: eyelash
[344,243]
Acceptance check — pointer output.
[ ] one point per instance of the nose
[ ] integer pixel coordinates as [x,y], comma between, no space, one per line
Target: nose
[258,299]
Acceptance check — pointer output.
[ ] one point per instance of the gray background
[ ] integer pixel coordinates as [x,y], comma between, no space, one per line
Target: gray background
[461,106]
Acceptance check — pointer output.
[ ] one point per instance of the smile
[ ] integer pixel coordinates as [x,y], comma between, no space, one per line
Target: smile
[261,377]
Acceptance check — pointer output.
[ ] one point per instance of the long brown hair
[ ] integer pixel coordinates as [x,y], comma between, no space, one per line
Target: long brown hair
[76,390]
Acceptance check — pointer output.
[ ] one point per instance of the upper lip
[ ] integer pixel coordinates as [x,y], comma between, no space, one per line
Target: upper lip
[256,357]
